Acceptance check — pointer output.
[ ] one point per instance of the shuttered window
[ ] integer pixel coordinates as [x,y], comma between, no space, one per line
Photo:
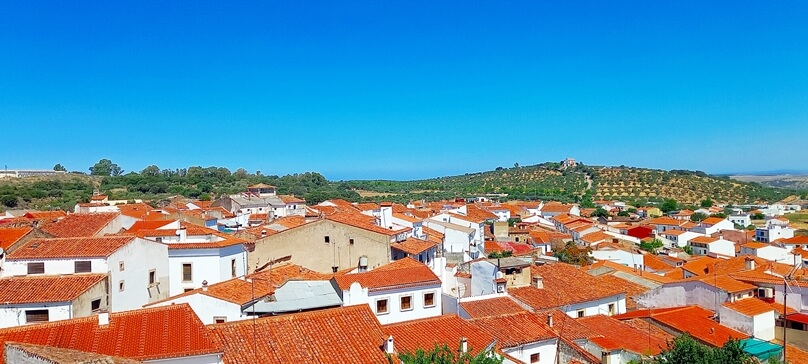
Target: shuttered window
[83,266]
[32,316]
[36,268]
[186,272]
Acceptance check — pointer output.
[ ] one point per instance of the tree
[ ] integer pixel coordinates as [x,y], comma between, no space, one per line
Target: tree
[240,174]
[8,200]
[698,216]
[60,168]
[105,167]
[688,250]
[668,206]
[571,253]
[651,246]
[501,254]
[516,165]
[444,355]
[512,221]
[706,203]
[151,170]
[684,349]
[758,216]
[623,213]
[599,212]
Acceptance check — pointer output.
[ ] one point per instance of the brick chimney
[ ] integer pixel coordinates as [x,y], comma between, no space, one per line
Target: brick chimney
[537,282]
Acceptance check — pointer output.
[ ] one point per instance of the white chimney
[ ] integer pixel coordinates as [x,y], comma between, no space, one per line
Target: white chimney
[389,346]
[182,234]
[204,286]
[103,318]
[386,214]
[263,232]
[550,319]
[538,282]
[464,345]
[750,264]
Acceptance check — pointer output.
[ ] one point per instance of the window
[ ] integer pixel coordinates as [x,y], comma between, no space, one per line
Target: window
[327,239]
[535,358]
[152,277]
[219,319]
[580,313]
[350,241]
[233,268]
[429,299]
[159,239]
[121,286]
[32,316]
[95,305]
[187,289]
[186,272]
[406,303]
[82,266]
[611,309]
[36,268]
[381,306]
[120,266]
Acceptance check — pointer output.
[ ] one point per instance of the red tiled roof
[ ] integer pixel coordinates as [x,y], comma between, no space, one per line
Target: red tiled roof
[410,336]
[42,289]
[290,222]
[622,335]
[288,199]
[81,225]
[413,246]
[9,236]
[749,306]
[406,218]
[712,220]
[136,210]
[596,236]
[363,222]
[723,282]
[149,225]
[632,289]
[691,319]
[703,240]
[47,215]
[564,284]
[49,354]
[340,335]
[516,329]
[556,207]
[491,307]
[405,272]
[70,247]
[147,334]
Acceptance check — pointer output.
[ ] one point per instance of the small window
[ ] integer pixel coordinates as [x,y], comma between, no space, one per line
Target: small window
[121,286]
[186,272]
[187,289]
[429,299]
[350,241]
[95,305]
[152,277]
[611,309]
[159,239]
[219,319]
[327,239]
[36,268]
[535,358]
[120,266]
[580,313]
[406,303]
[34,316]
[233,268]
[381,306]
[82,266]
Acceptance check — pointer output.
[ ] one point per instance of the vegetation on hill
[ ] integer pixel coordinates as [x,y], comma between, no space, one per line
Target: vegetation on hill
[547,181]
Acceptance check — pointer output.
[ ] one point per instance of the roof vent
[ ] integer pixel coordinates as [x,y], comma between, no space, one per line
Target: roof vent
[334,268]
[464,345]
[389,346]
[205,286]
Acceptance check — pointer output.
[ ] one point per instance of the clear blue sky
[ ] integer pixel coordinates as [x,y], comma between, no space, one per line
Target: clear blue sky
[404,90]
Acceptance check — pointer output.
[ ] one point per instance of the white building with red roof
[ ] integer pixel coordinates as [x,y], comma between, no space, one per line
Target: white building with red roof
[400,291]
[137,268]
[36,299]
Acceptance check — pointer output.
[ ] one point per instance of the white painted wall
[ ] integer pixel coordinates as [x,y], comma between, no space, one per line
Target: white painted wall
[621,257]
[598,307]
[207,307]
[760,326]
[357,295]
[546,350]
[683,294]
[140,257]
[14,315]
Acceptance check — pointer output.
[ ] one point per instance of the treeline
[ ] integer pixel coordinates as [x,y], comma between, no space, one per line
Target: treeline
[45,194]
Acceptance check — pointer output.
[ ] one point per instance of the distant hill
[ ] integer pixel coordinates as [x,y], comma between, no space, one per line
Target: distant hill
[794,181]
[550,181]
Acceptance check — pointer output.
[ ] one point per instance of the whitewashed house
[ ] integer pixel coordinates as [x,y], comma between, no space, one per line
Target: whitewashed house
[742,219]
[766,251]
[137,268]
[198,254]
[457,238]
[35,299]
[705,245]
[775,229]
[713,225]
[400,291]
[750,316]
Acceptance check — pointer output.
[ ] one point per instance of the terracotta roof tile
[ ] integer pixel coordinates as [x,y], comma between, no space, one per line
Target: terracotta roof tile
[148,225]
[491,307]
[70,248]
[632,289]
[410,336]
[289,199]
[364,222]
[623,336]
[147,334]
[41,289]
[49,354]
[413,246]
[691,319]
[136,210]
[79,225]
[290,222]
[515,329]
[9,236]
[712,220]
[749,306]
[48,215]
[340,335]
[564,284]
[405,272]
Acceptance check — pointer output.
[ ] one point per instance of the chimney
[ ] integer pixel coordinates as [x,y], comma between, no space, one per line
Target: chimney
[750,264]
[263,232]
[103,318]
[537,282]
[464,345]
[204,286]
[605,357]
[389,346]
[386,214]
[550,320]
[183,234]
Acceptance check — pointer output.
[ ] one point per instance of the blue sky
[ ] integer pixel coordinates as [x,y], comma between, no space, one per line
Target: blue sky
[404,90]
